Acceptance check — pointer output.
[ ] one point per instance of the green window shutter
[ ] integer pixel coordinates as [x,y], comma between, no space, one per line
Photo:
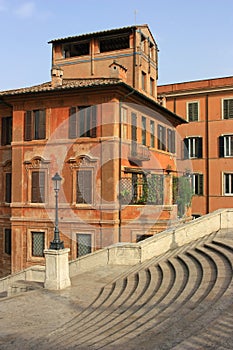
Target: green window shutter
[201,184]
[186,148]
[221,146]
[228,109]
[193,111]
[199,147]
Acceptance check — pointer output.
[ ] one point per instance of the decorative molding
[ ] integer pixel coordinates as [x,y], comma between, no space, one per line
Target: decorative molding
[36,162]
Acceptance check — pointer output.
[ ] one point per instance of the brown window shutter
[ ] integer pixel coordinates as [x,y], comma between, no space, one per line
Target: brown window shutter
[42,125]
[93,121]
[38,187]
[28,126]
[72,123]
[8,188]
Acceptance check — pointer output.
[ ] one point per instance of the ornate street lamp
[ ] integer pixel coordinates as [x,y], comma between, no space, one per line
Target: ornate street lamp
[56,243]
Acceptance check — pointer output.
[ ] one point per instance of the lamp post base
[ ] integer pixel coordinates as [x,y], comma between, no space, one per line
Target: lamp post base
[56,245]
[56,269]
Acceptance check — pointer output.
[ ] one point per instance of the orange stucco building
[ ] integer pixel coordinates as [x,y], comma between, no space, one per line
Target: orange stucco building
[207,138]
[99,125]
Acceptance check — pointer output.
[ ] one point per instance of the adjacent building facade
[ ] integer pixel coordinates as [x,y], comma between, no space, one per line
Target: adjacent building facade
[207,138]
[99,125]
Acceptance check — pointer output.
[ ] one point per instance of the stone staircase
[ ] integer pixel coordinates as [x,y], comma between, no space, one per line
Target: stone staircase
[179,300]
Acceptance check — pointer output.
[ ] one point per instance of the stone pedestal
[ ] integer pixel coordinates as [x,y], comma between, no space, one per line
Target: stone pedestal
[56,269]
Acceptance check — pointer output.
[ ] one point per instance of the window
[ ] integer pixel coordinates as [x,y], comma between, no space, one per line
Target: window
[193,147]
[38,187]
[228,184]
[137,188]
[161,137]
[171,146]
[84,183]
[152,87]
[7,239]
[143,43]
[143,130]
[228,108]
[35,125]
[144,81]
[116,43]
[124,123]
[151,50]
[8,187]
[197,181]
[152,133]
[192,111]
[226,146]
[82,122]
[38,243]
[6,131]
[76,49]
[133,134]
[83,244]
[140,238]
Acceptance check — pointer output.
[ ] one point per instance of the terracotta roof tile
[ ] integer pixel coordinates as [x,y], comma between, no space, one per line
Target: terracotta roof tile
[99,33]
[67,84]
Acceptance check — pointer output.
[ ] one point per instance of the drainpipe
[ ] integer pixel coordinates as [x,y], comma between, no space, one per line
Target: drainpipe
[207,154]
[134,58]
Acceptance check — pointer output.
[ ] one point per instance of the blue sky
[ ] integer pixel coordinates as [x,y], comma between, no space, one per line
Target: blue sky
[194,36]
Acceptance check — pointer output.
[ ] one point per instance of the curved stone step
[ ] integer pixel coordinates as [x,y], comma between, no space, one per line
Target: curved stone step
[199,316]
[146,325]
[161,299]
[102,332]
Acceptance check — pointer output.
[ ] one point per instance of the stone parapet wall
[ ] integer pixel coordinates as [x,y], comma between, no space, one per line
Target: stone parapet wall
[135,253]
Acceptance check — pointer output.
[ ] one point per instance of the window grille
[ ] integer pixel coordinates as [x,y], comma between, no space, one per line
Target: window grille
[38,244]
[137,188]
[83,244]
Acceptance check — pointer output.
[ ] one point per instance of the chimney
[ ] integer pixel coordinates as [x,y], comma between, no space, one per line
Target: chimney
[118,71]
[56,76]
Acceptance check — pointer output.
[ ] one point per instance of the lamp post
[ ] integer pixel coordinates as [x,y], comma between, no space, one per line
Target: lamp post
[56,244]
